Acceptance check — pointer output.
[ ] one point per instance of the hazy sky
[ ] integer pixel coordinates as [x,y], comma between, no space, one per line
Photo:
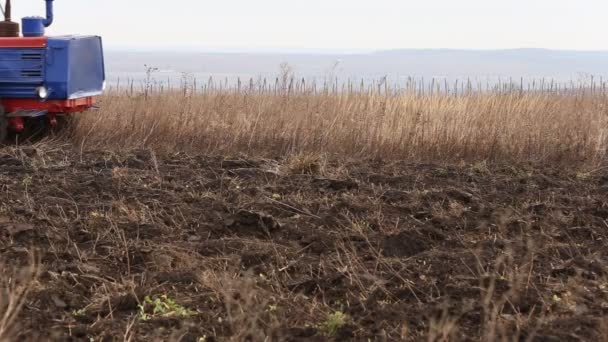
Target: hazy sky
[333,24]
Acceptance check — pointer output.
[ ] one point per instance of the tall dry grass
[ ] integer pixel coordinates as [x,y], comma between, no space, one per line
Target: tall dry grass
[514,126]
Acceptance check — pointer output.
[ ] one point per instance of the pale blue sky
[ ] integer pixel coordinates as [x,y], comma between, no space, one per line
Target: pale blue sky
[333,24]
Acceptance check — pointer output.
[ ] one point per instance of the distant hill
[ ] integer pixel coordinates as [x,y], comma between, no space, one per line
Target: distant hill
[531,63]
[396,64]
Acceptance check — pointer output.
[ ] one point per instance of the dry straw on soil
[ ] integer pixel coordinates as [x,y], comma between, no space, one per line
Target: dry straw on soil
[513,126]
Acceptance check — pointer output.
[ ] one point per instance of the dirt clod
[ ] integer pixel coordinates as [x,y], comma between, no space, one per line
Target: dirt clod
[404,245]
[335,185]
[252,223]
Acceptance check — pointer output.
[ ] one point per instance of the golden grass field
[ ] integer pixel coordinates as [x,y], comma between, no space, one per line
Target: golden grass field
[539,127]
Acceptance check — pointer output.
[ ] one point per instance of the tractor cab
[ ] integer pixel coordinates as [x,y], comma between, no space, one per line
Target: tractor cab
[45,79]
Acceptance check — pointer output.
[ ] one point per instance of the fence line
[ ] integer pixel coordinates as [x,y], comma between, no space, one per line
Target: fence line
[419,86]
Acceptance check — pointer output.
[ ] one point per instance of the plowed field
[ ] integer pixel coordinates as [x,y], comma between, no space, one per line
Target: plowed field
[195,248]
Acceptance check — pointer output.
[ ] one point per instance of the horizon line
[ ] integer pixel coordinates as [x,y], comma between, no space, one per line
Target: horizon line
[245,50]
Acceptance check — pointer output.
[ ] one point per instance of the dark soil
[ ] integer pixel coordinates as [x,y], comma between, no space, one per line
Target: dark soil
[250,249]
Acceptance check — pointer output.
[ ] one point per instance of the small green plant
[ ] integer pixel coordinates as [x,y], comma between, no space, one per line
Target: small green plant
[79,312]
[333,323]
[27,181]
[272,308]
[162,306]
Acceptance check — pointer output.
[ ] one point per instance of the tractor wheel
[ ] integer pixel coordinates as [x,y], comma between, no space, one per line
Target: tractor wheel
[35,129]
[3,126]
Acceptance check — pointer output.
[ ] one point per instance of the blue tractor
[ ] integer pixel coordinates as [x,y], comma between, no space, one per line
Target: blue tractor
[44,80]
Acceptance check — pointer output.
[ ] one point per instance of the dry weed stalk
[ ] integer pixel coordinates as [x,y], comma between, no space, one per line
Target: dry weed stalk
[513,271]
[604,330]
[15,287]
[443,328]
[246,306]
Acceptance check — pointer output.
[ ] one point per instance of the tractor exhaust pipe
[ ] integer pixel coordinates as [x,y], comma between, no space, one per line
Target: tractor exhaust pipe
[7,11]
[49,13]
[7,27]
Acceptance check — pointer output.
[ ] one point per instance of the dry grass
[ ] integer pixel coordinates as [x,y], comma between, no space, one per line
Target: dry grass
[512,127]
[15,287]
